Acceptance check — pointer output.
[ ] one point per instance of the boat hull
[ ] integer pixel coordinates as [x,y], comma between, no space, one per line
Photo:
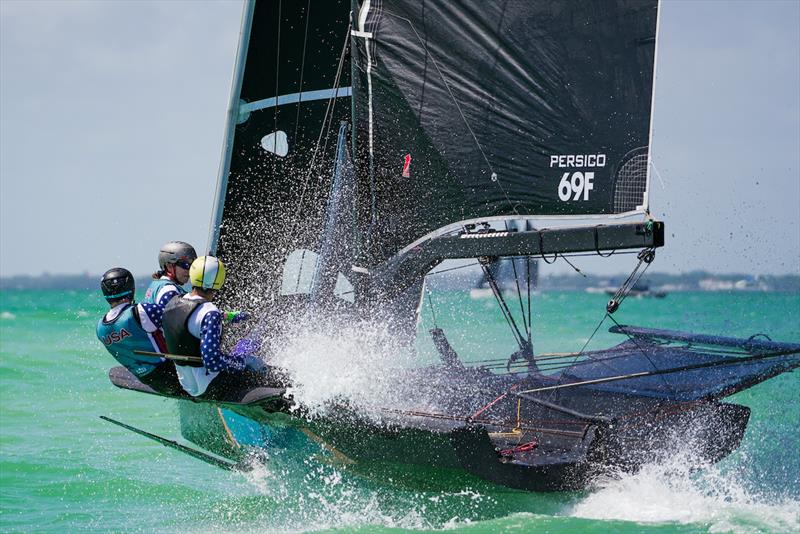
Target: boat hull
[445,454]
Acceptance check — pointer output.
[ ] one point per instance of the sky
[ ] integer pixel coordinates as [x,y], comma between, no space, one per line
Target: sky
[112,117]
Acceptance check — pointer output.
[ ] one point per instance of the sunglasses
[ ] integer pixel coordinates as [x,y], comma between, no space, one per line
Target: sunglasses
[183,264]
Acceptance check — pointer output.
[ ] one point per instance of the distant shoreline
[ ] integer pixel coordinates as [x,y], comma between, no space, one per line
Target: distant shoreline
[691,281]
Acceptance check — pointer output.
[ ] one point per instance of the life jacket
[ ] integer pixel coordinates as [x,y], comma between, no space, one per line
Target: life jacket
[176,328]
[124,334]
[156,285]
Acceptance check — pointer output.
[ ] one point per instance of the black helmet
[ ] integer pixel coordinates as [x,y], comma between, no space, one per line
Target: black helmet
[117,283]
[174,252]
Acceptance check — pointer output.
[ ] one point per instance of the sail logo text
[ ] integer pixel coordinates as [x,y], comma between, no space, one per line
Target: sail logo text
[576,185]
[115,337]
[577,160]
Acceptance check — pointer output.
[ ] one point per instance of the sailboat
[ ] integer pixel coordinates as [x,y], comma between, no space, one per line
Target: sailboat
[367,144]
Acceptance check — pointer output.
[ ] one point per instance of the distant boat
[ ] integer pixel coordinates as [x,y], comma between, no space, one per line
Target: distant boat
[641,290]
[744,284]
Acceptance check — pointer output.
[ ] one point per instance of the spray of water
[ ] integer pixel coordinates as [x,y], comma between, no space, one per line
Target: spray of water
[356,365]
[681,488]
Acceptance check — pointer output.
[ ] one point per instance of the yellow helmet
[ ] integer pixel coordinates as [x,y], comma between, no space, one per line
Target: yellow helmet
[207,272]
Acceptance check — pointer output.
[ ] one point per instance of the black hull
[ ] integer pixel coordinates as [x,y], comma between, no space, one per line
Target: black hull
[527,431]
[417,453]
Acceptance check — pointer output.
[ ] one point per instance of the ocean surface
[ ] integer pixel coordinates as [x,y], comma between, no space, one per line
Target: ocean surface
[62,469]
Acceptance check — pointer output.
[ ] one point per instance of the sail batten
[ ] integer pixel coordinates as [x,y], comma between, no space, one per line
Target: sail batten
[295,98]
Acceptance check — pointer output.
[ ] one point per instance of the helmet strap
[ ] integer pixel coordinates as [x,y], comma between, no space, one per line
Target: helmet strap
[169,270]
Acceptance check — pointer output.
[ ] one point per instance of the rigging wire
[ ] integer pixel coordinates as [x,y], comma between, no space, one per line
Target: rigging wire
[327,120]
[519,293]
[430,305]
[528,281]
[646,257]
[452,269]
[302,71]
[503,306]
[277,77]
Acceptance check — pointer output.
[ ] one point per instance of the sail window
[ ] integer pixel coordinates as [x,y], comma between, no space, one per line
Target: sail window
[298,272]
[630,189]
[344,289]
[276,143]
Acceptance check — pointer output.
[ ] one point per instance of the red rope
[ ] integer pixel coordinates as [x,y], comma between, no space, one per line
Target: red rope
[498,399]
[525,447]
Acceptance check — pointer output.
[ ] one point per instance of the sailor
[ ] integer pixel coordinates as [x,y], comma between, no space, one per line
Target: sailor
[129,326]
[174,260]
[193,327]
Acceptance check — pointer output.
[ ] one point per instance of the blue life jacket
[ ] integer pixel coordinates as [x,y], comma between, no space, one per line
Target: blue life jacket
[155,287]
[125,334]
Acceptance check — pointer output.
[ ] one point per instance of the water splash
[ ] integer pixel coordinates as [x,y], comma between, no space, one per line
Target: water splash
[354,365]
[683,489]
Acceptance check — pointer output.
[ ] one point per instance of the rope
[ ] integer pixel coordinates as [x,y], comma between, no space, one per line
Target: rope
[597,243]
[541,249]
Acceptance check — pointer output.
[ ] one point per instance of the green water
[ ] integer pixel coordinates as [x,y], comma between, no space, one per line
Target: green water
[63,469]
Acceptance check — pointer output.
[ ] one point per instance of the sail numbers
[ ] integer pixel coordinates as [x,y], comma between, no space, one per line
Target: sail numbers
[576,185]
[579,182]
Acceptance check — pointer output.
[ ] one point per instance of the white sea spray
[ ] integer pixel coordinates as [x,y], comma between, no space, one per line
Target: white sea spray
[355,365]
[684,489]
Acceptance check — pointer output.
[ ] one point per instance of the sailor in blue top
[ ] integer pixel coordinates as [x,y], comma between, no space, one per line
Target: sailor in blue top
[193,327]
[174,260]
[129,326]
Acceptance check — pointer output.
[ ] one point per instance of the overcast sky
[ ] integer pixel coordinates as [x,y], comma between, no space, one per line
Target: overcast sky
[113,116]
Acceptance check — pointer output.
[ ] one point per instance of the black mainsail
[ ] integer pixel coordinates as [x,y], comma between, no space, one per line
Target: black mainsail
[471,110]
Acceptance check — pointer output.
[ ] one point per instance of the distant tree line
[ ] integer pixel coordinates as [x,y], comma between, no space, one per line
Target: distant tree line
[691,281]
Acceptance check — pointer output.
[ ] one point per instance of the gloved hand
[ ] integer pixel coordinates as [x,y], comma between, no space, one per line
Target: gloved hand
[234,317]
[245,347]
[254,363]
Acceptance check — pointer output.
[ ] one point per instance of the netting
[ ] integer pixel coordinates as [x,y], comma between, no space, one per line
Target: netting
[631,184]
